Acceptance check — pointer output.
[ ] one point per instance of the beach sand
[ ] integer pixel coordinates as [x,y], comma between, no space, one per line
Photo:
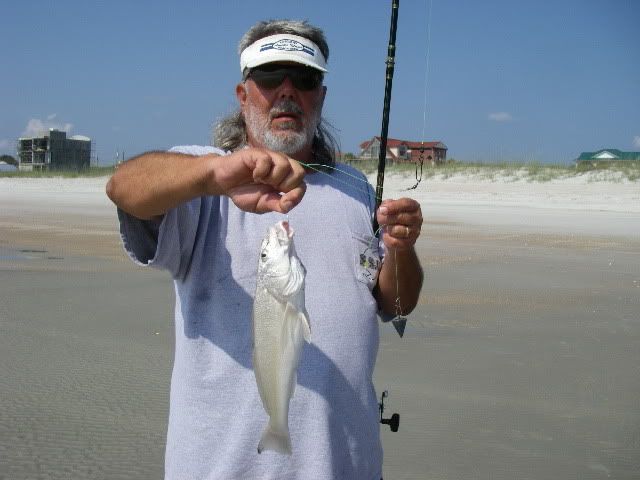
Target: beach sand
[521,360]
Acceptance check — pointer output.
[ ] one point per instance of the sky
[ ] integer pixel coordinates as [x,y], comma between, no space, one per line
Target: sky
[504,80]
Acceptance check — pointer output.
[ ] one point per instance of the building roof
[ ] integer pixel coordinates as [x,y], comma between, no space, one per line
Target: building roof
[46,135]
[609,154]
[394,142]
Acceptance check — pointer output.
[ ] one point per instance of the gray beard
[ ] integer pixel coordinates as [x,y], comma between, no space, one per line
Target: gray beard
[288,142]
[285,139]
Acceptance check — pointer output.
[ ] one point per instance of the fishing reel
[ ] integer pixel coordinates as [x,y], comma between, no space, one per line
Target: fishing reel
[394,420]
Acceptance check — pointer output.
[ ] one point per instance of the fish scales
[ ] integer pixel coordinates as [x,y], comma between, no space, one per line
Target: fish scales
[280,328]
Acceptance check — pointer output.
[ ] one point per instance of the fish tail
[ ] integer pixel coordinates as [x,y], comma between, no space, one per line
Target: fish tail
[275,439]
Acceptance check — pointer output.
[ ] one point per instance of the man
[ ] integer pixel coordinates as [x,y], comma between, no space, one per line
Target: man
[193,211]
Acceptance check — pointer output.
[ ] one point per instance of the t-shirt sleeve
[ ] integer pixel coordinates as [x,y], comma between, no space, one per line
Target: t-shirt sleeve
[167,242]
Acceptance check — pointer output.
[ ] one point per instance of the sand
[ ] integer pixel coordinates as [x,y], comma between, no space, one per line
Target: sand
[521,360]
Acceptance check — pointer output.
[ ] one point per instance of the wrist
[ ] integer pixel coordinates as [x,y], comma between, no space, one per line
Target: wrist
[211,179]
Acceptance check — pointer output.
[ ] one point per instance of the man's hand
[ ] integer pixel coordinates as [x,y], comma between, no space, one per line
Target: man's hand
[259,180]
[402,222]
[400,278]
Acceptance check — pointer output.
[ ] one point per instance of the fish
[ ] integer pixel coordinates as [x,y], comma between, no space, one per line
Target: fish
[280,328]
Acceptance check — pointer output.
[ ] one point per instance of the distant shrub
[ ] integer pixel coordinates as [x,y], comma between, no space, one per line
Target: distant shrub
[8,159]
[512,171]
[85,172]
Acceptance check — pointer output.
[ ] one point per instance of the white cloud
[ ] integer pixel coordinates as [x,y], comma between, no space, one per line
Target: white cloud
[636,141]
[36,127]
[52,116]
[500,117]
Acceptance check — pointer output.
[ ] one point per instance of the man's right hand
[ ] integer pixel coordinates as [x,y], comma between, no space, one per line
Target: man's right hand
[258,180]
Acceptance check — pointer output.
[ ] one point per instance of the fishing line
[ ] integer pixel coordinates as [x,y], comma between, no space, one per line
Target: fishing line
[320,168]
[398,306]
[399,320]
[426,71]
[420,162]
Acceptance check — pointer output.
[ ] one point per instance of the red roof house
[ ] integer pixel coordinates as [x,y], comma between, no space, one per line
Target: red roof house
[434,153]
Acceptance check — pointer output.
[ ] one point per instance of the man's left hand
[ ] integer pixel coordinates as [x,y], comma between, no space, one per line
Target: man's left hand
[402,222]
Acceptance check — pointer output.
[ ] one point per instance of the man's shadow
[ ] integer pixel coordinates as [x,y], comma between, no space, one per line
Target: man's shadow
[231,331]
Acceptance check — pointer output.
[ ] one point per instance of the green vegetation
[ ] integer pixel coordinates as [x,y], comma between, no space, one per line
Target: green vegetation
[86,172]
[631,169]
[510,171]
[8,159]
[505,171]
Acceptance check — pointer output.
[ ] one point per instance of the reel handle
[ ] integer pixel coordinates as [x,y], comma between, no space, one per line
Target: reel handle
[394,420]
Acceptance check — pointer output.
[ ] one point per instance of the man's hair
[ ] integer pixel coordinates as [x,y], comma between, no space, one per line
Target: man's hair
[230,133]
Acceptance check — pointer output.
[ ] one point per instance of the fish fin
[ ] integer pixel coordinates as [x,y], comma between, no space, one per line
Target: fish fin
[295,308]
[306,328]
[294,326]
[295,318]
[275,440]
[295,280]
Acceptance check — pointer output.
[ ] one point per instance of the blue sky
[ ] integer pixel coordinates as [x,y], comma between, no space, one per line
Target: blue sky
[507,80]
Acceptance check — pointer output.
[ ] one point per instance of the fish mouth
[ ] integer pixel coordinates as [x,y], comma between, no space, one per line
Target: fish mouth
[284,230]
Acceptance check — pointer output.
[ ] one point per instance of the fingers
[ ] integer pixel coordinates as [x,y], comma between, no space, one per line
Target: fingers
[292,198]
[282,174]
[259,180]
[402,222]
[277,170]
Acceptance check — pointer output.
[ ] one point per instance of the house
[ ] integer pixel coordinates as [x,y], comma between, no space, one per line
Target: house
[53,150]
[434,153]
[608,155]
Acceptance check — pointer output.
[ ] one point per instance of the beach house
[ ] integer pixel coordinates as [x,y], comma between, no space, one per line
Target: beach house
[607,155]
[433,153]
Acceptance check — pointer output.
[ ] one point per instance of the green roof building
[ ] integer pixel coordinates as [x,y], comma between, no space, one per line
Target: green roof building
[608,155]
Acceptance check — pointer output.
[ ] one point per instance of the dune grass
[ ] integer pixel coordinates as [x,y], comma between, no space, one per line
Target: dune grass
[504,171]
[511,171]
[86,172]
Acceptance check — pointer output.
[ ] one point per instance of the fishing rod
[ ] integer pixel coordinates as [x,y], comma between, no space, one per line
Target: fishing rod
[399,321]
[394,420]
[382,156]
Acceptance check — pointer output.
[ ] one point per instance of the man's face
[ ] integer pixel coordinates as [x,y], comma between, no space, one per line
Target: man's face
[283,118]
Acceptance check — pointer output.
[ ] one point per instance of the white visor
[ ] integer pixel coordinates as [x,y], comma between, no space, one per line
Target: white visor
[283,48]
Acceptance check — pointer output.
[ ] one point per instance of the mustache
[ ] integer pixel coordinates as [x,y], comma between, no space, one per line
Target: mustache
[285,106]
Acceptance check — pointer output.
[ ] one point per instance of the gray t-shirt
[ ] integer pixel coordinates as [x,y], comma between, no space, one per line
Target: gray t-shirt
[211,249]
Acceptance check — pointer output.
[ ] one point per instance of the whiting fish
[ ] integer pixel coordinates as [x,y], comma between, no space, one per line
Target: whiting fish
[280,327]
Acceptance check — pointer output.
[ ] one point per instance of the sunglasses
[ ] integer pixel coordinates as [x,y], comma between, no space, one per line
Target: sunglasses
[272,75]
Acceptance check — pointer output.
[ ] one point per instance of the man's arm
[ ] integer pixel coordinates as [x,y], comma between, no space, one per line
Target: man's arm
[256,180]
[401,274]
